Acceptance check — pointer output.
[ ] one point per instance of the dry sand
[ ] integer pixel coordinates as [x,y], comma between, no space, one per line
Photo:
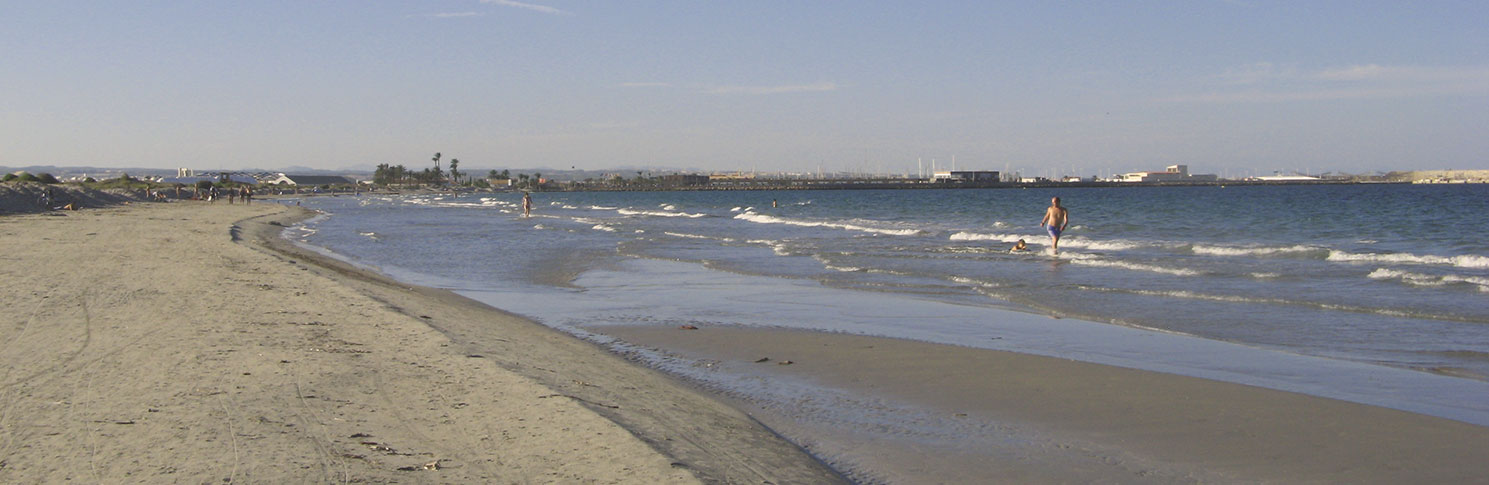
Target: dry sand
[183,342]
[1030,419]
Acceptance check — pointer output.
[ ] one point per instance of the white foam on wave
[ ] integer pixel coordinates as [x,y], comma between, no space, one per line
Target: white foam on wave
[765,219]
[495,202]
[827,264]
[697,236]
[1072,242]
[1106,263]
[602,227]
[1186,294]
[973,281]
[1099,245]
[779,247]
[1463,261]
[974,236]
[736,209]
[1252,251]
[601,208]
[1419,279]
[371,235]
[633,212]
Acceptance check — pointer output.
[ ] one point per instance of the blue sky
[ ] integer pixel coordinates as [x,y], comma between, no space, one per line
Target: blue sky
[1045,88]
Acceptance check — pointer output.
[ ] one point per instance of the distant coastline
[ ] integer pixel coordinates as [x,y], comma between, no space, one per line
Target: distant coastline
[896,184]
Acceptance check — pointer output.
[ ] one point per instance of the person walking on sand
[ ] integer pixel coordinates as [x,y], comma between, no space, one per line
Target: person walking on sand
[1055,220]
[527,204]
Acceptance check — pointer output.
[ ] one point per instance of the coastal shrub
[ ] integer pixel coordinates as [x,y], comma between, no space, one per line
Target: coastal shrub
[47,178]
[204,185]
[26,177]
[8,177]
[89,180]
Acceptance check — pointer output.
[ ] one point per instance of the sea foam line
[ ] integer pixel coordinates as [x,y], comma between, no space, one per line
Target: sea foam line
[634,212]
[697,236]
[1134,266]
[1463,261]
[974,236]
[765,219]
[1073,242]
[1191,295]
[1419,279]
[1253,251]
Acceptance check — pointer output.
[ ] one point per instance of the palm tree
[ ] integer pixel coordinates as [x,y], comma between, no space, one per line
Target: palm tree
[455,170]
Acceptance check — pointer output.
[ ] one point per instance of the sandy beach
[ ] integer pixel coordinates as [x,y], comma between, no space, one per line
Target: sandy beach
[187,342]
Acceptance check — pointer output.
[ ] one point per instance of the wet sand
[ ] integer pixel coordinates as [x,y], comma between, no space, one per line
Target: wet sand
[187,342]
[980,416]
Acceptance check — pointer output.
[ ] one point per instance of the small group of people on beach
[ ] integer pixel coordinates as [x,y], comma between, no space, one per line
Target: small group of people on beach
[232,194]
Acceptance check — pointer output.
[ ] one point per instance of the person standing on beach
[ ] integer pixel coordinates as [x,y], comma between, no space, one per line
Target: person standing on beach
[1055,220]
[527,204]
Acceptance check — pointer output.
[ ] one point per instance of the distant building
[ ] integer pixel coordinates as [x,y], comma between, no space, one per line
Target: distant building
[964,176]
[186,176]
[685,179]
[287,179]
[1284,178]
[1174,173]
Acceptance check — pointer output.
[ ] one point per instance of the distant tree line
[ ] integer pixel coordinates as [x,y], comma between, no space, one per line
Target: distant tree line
[389,174]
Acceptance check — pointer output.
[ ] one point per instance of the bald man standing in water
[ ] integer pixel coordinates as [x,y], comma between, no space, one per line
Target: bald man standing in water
[1055,220]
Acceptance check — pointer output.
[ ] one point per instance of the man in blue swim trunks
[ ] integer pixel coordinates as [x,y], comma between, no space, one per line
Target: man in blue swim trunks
[1055,220]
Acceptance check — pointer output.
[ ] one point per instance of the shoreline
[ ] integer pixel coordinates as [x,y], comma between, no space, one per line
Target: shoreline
[1053,463]
[171,342]
[981,413]
[714,441]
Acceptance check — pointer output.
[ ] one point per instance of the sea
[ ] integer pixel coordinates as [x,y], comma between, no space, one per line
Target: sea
[1371,293]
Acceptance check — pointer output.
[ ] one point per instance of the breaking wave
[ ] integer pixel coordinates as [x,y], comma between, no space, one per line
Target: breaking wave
[765,219]
[1464,261]
[634,212]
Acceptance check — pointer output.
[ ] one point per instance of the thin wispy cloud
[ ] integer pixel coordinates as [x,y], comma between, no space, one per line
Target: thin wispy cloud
[1352,73]
[453,15]
[527,6]
[1268,83]
[798,88]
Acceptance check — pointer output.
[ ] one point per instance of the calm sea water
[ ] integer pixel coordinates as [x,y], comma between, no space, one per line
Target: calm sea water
[1389,278]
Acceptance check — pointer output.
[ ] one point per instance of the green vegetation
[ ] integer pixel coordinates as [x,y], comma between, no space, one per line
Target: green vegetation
[123,182]
[388,174]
